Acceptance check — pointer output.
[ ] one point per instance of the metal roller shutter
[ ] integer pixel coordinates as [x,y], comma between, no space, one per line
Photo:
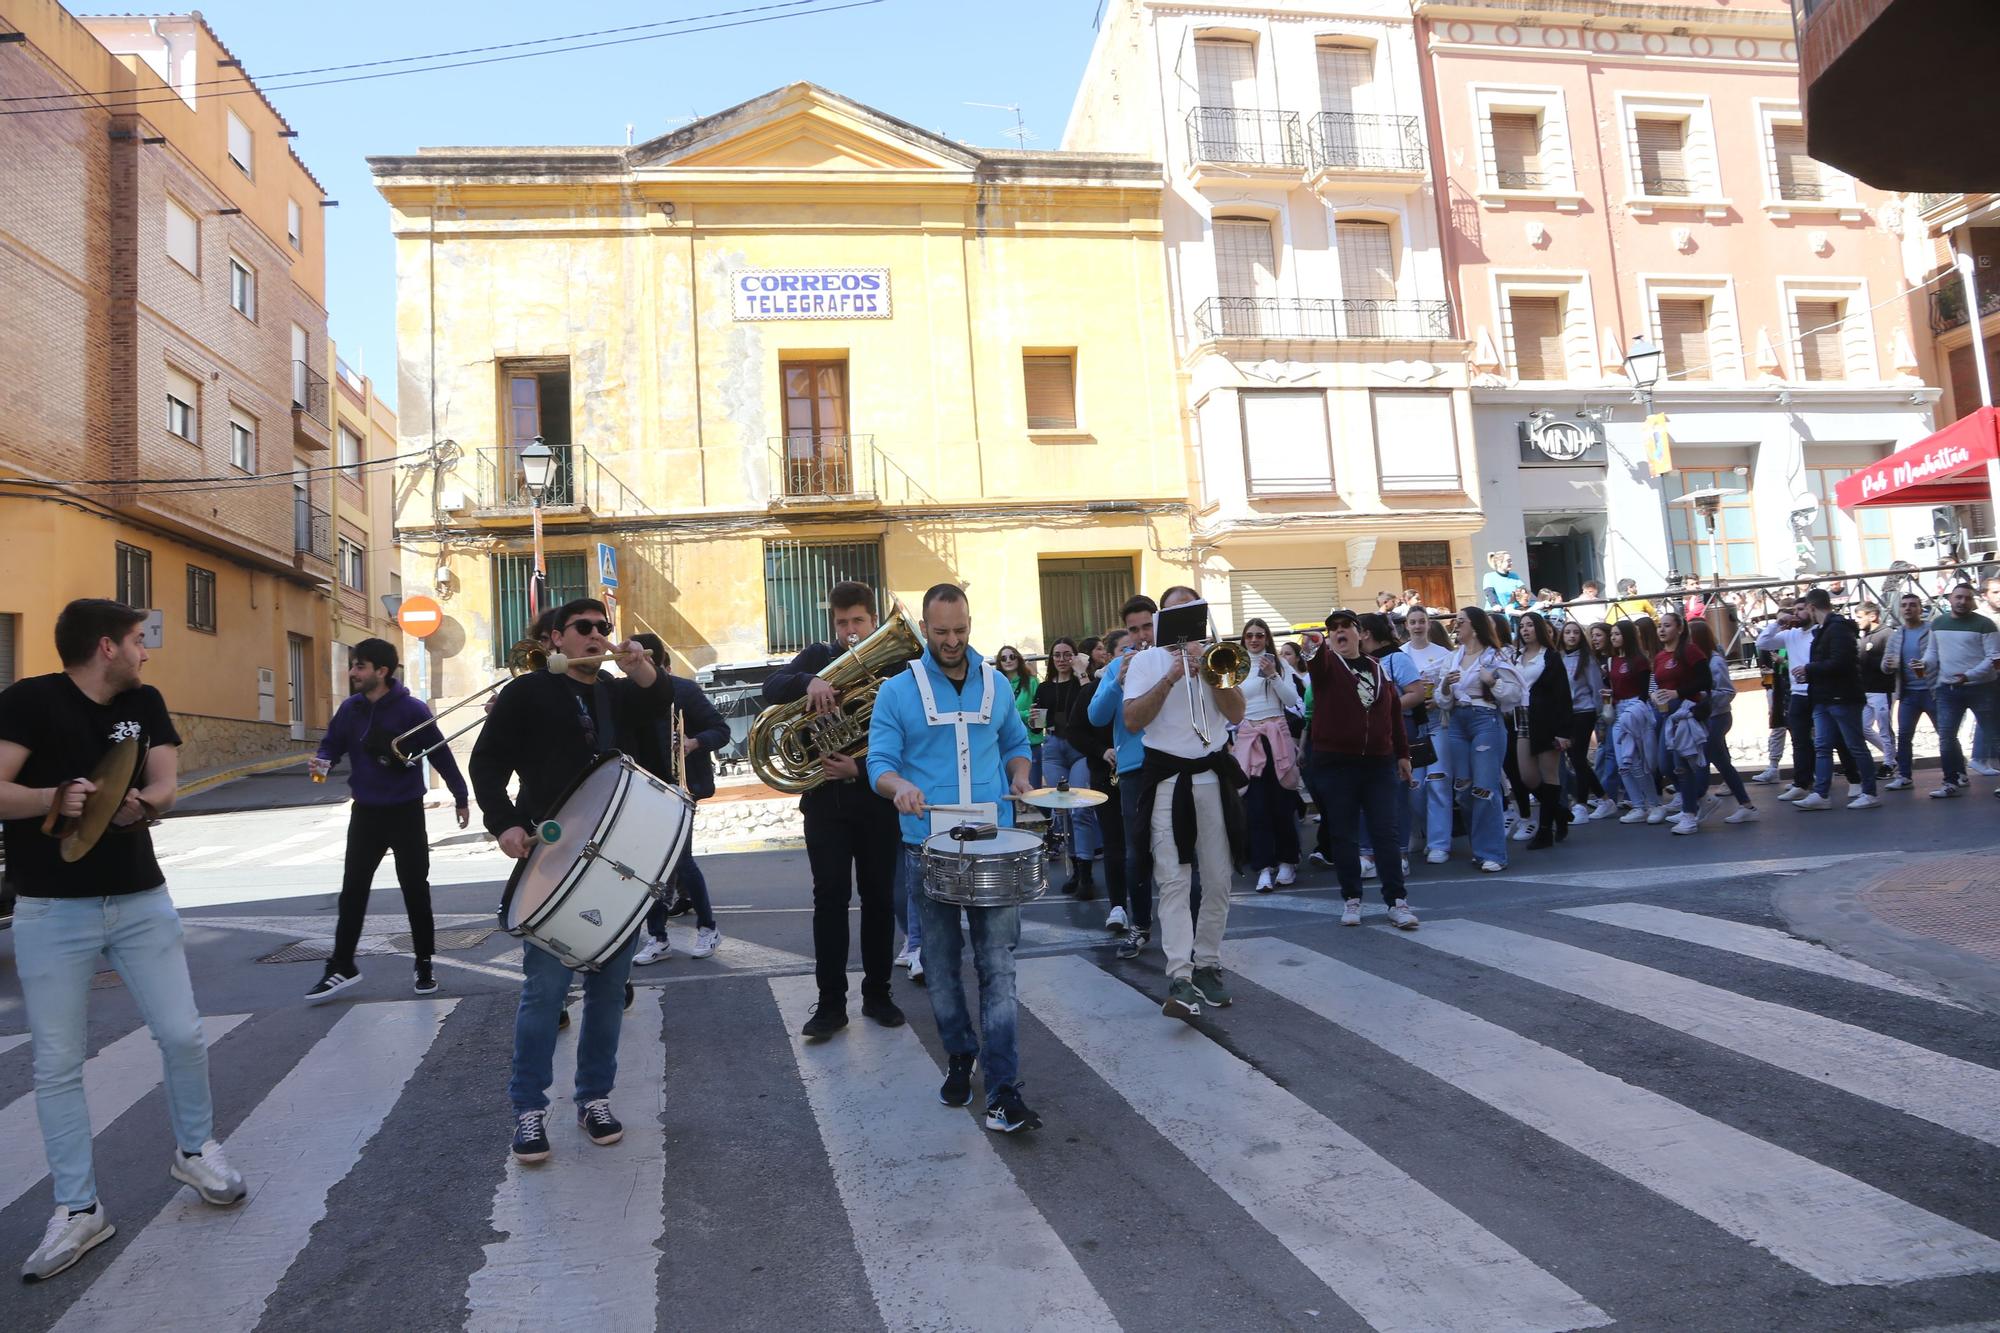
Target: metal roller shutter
[1285,598]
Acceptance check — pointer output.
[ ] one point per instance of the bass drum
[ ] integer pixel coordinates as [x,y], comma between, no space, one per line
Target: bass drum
[600,860]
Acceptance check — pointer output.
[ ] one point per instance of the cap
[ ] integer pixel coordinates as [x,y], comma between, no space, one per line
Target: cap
[1342,613]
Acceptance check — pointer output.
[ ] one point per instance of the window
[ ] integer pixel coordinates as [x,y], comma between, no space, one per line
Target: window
[1284,598]
[239,145]
[1535,337]
[1416,441]
[295,224]
[301,364]
[797,576]
[1822,350]
[183,238]
[242,444]
[1735,524]
[1081,597]
[537,403]
[1684,338]
[1345,76]
[1226,73]
[201,599]
[242,288]
[819,457]
[1799,176]
[135,576]
[1286,446]
[1051,382]
[1664,167]
[1517,150]
[350,455]
[395,584]
[182,395]
[513,581]
[1840,540]
[1367,277]
[1246,264]
[353,566]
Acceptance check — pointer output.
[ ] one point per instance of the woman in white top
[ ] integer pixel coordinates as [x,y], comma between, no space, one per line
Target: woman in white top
[1269,757]
[1478,684]
[1430,800]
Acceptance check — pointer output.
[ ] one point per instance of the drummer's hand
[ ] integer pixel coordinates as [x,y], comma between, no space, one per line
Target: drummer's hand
[636,663]
[129,811]
[1111,758]
[464,815]
[821,697]
[910,799]
[517,843]
[1020,786]
[71,797]
[841,767]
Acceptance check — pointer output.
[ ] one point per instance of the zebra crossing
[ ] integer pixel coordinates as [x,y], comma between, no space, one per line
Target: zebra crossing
[1439,1131]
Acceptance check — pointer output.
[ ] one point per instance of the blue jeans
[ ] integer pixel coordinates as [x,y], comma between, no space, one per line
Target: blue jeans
[1060,759]
[1953,703]
[995,932]
[1606,764]
[906,906]
[1473,755]
[1356,794]
[544,987]
[1844,721]
[1913,704]
[1138,854]
[1409,809]
[1636,738]
[57,942]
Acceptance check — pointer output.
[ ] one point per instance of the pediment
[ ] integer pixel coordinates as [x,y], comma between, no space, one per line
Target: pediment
[801,128]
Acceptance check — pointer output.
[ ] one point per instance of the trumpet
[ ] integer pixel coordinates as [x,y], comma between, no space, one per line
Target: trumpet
[524,657]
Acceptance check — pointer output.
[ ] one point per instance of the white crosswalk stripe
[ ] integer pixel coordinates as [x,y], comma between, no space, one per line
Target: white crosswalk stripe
[261,853]
[1322,1192]
[1939,1088]
[181,858]
[210,1270]
[9,1042]
[328,851]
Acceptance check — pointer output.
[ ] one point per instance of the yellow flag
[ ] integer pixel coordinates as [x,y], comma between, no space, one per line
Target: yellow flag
[1659,448]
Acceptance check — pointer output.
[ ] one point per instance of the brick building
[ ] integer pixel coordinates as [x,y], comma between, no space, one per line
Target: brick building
[164,355]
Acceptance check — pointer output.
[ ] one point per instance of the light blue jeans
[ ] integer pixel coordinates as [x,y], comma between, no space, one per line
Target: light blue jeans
[1060,759]
[1636,737]
[1475,754]
[57,942]
[995,933]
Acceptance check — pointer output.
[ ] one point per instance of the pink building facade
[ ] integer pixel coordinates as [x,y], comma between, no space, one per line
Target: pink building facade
[1642,171]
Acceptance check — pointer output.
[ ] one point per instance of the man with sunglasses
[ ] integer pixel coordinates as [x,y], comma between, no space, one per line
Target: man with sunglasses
[546,728]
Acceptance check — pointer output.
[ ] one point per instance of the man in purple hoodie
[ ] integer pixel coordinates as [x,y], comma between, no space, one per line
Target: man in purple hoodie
[388,810]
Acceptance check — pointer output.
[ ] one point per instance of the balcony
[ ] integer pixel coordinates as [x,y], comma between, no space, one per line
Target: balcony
[1948,304]
[580,487]
[825,470]
[1367,150]
[312,414]
[1928,204]
[312,538]
[1287,319]
[1225,143]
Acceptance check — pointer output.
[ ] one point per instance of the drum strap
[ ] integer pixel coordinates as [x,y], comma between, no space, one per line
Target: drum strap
[959,721]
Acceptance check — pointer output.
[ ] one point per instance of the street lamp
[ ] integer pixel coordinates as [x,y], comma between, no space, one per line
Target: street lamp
[537,461]
[1642,366]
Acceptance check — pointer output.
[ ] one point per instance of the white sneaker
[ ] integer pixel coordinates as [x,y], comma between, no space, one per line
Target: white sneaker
[1288,874]
[1524,829]
[1264,880]
[1709,805]
[1636,815]
[705,940]
[1792,793]
[1368,870]
[1946,792]
[1686,824]
[1350,912]
[909,953]
[1766,778]
[209,1174]
[1982,768]
[652,951]
[1603,808]
[1116,921]
[1436,857]
[1812,800]
[1401,917]
[1656,815]
[67,1239]
[1491,867]
[1743,814]
[1900,783]
[1865,802]
[1673,807]
[1579,812]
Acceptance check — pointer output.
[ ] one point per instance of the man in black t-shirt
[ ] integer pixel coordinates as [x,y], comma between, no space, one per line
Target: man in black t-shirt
[546,729]
[113,901]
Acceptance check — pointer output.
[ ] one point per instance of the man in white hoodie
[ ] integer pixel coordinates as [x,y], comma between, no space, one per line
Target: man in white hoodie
[1963,652]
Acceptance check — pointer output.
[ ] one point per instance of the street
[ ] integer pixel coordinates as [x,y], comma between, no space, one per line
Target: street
[1599,1089]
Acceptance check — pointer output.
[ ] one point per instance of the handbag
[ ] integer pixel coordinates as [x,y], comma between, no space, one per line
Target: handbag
[1423,752]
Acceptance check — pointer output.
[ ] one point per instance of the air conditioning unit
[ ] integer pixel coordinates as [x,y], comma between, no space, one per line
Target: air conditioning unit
[452,498]
[267,695]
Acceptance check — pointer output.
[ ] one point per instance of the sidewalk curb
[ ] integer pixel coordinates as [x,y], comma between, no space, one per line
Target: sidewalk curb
[1834,915]
[196,785]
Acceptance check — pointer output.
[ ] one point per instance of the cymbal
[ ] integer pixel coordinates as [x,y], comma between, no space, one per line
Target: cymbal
[1053,798]
[113,778]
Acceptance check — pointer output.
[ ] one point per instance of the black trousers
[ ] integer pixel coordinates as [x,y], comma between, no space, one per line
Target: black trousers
[373,830]
[1805,756]
[851,851]
[1583,778]
[1111,826]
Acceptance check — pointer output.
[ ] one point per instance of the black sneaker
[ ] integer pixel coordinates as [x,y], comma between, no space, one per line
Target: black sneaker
[330,985]
[426,983]
[1134,943]
[1008,1113]
[883,1011]
[597,1121]
[531,1136]
[629,993]
[827,1018]
[562,1020]
[957,1089]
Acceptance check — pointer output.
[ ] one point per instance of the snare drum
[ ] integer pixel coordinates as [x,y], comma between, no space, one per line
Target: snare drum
[1005,870]
[606,853]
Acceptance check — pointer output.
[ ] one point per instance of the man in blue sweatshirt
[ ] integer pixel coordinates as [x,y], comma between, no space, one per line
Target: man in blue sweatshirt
[388,810]
[1107,708]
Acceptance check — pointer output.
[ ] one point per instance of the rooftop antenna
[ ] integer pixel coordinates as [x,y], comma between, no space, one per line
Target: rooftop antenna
[1020,134]
[629,127]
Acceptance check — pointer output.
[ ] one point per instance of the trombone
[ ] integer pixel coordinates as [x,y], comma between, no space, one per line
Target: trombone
[526,656]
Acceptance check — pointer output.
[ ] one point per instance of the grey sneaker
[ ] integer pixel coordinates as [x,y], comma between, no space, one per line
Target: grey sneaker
[1208,984]
[1133,944]
[209,1174]
[1183,1000]
[1350,912]
[1401,917]
[68,1238]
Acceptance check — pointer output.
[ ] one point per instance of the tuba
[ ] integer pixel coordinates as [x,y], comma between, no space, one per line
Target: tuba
[787,742]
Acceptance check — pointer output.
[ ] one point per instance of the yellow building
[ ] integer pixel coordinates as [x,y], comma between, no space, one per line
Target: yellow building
[793,342]
[367,567]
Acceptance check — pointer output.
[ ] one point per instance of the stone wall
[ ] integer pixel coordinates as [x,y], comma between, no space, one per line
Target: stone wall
[718,824]
[220,742]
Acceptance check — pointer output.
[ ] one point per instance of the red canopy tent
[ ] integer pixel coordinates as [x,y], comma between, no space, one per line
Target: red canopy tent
[1951,467]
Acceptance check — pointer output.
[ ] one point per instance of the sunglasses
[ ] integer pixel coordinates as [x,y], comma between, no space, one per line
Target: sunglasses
[602,627]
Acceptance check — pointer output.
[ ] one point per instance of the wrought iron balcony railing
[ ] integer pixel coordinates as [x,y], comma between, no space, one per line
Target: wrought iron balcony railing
[1521,180]
[1294,318]
[309,393]
[1667,187]
[312,531]
[1342,139]
[812,466]
[1948,304]
[577,481]
[1246,138]
[1930,203]
[1807,192]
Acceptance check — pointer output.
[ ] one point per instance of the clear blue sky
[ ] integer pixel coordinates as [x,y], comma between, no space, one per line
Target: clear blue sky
[920,60]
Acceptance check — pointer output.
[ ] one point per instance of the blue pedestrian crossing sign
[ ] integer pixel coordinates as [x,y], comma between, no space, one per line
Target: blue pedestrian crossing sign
[607,564]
